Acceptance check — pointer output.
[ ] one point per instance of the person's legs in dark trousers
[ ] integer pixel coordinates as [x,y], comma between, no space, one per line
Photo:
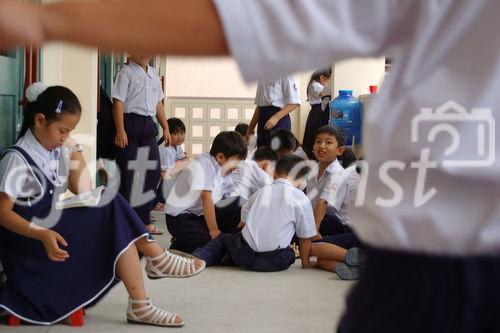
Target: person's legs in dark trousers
[158,195]
[127,154]
[141,132]
[242,255]
[411,293]
[148,140]
[188,231]
[228,214]
[213,252]
[267,112]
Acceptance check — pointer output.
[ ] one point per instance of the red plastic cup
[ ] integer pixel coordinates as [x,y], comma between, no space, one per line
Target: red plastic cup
[373,89]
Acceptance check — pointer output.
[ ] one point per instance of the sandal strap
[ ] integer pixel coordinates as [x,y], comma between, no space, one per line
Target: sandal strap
[172,264]
[150,313]
[139,301]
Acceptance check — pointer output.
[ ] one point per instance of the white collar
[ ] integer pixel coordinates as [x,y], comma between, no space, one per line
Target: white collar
[139,70]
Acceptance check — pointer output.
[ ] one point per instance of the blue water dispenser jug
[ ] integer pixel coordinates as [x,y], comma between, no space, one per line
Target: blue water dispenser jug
[346,113]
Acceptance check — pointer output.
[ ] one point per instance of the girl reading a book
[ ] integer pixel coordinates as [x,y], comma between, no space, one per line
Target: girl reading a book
[57,261]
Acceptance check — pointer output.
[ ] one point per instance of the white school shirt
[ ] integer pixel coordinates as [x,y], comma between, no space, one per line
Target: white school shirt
[314,91]
[277,93]
[247,179]
[331,187]
[442,51]
[202,174]
[18,179]
[274,213]
[169,155]
[139,91]
[350,185]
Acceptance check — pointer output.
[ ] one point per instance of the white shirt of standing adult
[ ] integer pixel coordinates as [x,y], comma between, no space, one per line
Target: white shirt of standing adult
[273,214]
[441,51]
[139,91]
[277,93]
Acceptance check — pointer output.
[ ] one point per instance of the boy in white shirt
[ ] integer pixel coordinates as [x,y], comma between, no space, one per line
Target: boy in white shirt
[248,177]
[137,98]
[189,207]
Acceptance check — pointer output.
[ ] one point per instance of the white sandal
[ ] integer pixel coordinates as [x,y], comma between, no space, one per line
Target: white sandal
[150,315]
[171,265]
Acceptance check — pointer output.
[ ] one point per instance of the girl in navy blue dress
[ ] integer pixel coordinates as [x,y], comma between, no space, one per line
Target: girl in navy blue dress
[317,83]
[57,261]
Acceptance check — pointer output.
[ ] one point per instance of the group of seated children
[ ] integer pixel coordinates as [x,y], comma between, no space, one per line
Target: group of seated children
[226,209]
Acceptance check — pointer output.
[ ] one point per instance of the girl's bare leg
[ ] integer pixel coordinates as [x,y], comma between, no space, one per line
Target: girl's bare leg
[130,272]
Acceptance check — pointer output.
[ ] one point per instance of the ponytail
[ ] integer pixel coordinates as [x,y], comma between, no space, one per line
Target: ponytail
[317,75]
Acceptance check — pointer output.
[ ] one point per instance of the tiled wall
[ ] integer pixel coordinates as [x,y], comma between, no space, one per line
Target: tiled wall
[205,118]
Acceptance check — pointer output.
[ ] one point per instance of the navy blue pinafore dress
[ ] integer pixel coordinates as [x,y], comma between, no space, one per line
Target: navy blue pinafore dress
[44,292]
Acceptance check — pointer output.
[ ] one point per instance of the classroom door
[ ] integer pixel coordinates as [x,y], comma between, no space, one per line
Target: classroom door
[10,68]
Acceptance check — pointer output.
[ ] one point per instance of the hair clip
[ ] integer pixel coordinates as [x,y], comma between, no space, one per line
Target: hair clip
[59,107]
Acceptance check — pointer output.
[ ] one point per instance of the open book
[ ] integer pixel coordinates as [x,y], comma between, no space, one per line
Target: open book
[87,199]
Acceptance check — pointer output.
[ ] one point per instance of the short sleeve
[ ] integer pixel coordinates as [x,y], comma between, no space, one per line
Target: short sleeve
[283,36]
[161,95]
[259,95]
[13,176]
[179,153]
[305,225]
[290,91]
[202,175]
[120,88]
[317,88]
[334,192]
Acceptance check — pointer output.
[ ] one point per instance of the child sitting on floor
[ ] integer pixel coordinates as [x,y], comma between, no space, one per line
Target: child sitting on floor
[249,176]
[189,207]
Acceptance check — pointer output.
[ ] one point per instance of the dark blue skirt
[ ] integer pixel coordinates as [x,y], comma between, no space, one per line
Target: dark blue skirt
[43,292]
[406,292]
[314,121]
[266,112]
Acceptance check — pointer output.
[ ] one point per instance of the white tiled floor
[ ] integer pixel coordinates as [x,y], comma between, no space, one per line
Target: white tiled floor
[227,299]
